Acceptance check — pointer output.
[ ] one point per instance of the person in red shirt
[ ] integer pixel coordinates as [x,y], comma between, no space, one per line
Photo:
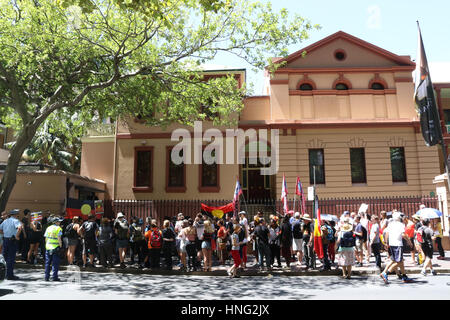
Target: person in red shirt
[155,241]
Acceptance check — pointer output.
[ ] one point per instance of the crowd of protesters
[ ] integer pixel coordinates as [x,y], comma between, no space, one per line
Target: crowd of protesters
[193,244]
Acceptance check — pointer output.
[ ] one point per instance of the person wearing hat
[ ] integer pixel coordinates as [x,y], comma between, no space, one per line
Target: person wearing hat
[53,245]
[11,229]
[122,230]
[416,244]
[395,232]
[346,244]
[297,237]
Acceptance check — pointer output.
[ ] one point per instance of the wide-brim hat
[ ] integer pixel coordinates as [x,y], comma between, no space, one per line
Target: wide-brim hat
[120,215]
[242,212]
[347,227]
[306,217]
[14,211]
[416,217]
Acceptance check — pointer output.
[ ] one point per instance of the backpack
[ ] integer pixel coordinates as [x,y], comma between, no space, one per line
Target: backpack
[156,239]
[70,232]
[137,234]
[89,228]
[297,230]
[419,236]
[330,233]
[348,239]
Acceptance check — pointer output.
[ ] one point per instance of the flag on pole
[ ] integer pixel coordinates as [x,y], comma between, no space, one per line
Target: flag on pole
[425,99]
[284,194]
[237,193]
[318,247]
[299,192]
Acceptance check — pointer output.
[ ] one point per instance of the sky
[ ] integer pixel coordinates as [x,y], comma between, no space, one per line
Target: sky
[389,24]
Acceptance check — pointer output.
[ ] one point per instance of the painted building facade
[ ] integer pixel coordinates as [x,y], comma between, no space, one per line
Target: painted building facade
[346,117]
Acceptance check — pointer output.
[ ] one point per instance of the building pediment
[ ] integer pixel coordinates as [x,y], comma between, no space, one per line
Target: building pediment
[342,50]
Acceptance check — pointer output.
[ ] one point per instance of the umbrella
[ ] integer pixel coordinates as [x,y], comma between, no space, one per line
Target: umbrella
[329,217]
[429,213]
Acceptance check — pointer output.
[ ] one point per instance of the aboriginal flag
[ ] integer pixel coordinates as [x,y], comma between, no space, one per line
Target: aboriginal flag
[217,212]
[425,100]
[82,208]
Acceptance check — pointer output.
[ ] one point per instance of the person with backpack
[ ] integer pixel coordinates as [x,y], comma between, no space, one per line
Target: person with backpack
[137,242]
[346,248]
[190,234]
[394,234]
[327,237]
[425,236]
[88,232]
[71,232]
[262,243]
[105,235]
[332,244]
[297,238]
[122,230]
[155,242]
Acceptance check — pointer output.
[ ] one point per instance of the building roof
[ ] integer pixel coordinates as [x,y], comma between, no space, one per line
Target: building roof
[400,60]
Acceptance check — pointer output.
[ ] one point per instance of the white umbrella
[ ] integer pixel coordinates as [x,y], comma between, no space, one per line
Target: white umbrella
[429,213]
[329,217]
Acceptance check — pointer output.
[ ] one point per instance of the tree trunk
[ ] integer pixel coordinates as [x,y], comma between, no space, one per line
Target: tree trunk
[15,155]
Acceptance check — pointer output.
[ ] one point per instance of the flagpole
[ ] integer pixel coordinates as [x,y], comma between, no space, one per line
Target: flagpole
[441,136]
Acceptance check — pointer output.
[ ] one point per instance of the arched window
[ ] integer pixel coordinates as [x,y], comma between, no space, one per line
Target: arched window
[377,86]
[306,87]
[341,86]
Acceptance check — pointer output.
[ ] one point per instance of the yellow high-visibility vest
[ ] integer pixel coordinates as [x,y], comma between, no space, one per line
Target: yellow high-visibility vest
[51,237]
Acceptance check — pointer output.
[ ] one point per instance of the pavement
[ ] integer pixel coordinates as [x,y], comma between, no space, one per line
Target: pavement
[441,267]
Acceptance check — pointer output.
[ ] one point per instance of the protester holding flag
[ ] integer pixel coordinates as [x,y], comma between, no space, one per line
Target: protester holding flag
[284,194]
[237,193]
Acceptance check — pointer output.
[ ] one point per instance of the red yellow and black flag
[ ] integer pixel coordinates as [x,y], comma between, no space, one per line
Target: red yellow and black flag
[217,212]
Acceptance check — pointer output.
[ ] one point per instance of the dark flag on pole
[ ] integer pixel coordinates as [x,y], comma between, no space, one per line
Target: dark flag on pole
[425,99]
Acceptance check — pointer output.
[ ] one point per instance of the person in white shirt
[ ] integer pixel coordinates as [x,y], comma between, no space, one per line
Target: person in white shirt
[394,234]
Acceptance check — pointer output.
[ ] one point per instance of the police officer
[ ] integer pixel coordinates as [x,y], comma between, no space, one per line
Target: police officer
[53,246]
[11,229]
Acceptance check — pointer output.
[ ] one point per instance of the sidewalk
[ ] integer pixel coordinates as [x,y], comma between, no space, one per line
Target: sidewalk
[441,266]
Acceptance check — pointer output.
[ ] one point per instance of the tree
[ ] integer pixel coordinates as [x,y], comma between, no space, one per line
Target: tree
[106,60]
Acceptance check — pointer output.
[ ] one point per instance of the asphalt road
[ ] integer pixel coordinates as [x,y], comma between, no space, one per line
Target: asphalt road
[107,286]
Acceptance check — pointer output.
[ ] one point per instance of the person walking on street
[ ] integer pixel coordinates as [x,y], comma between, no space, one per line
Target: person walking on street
[88,232]
[207,245]
[53,246]
[375,241]
[327,237]
[425,236]
[346,248]
[394,234]
[122,230]
[359,241]
[11,229]
[438,239]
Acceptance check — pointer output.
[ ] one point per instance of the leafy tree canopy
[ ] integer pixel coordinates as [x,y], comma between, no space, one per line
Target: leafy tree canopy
[112,57]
